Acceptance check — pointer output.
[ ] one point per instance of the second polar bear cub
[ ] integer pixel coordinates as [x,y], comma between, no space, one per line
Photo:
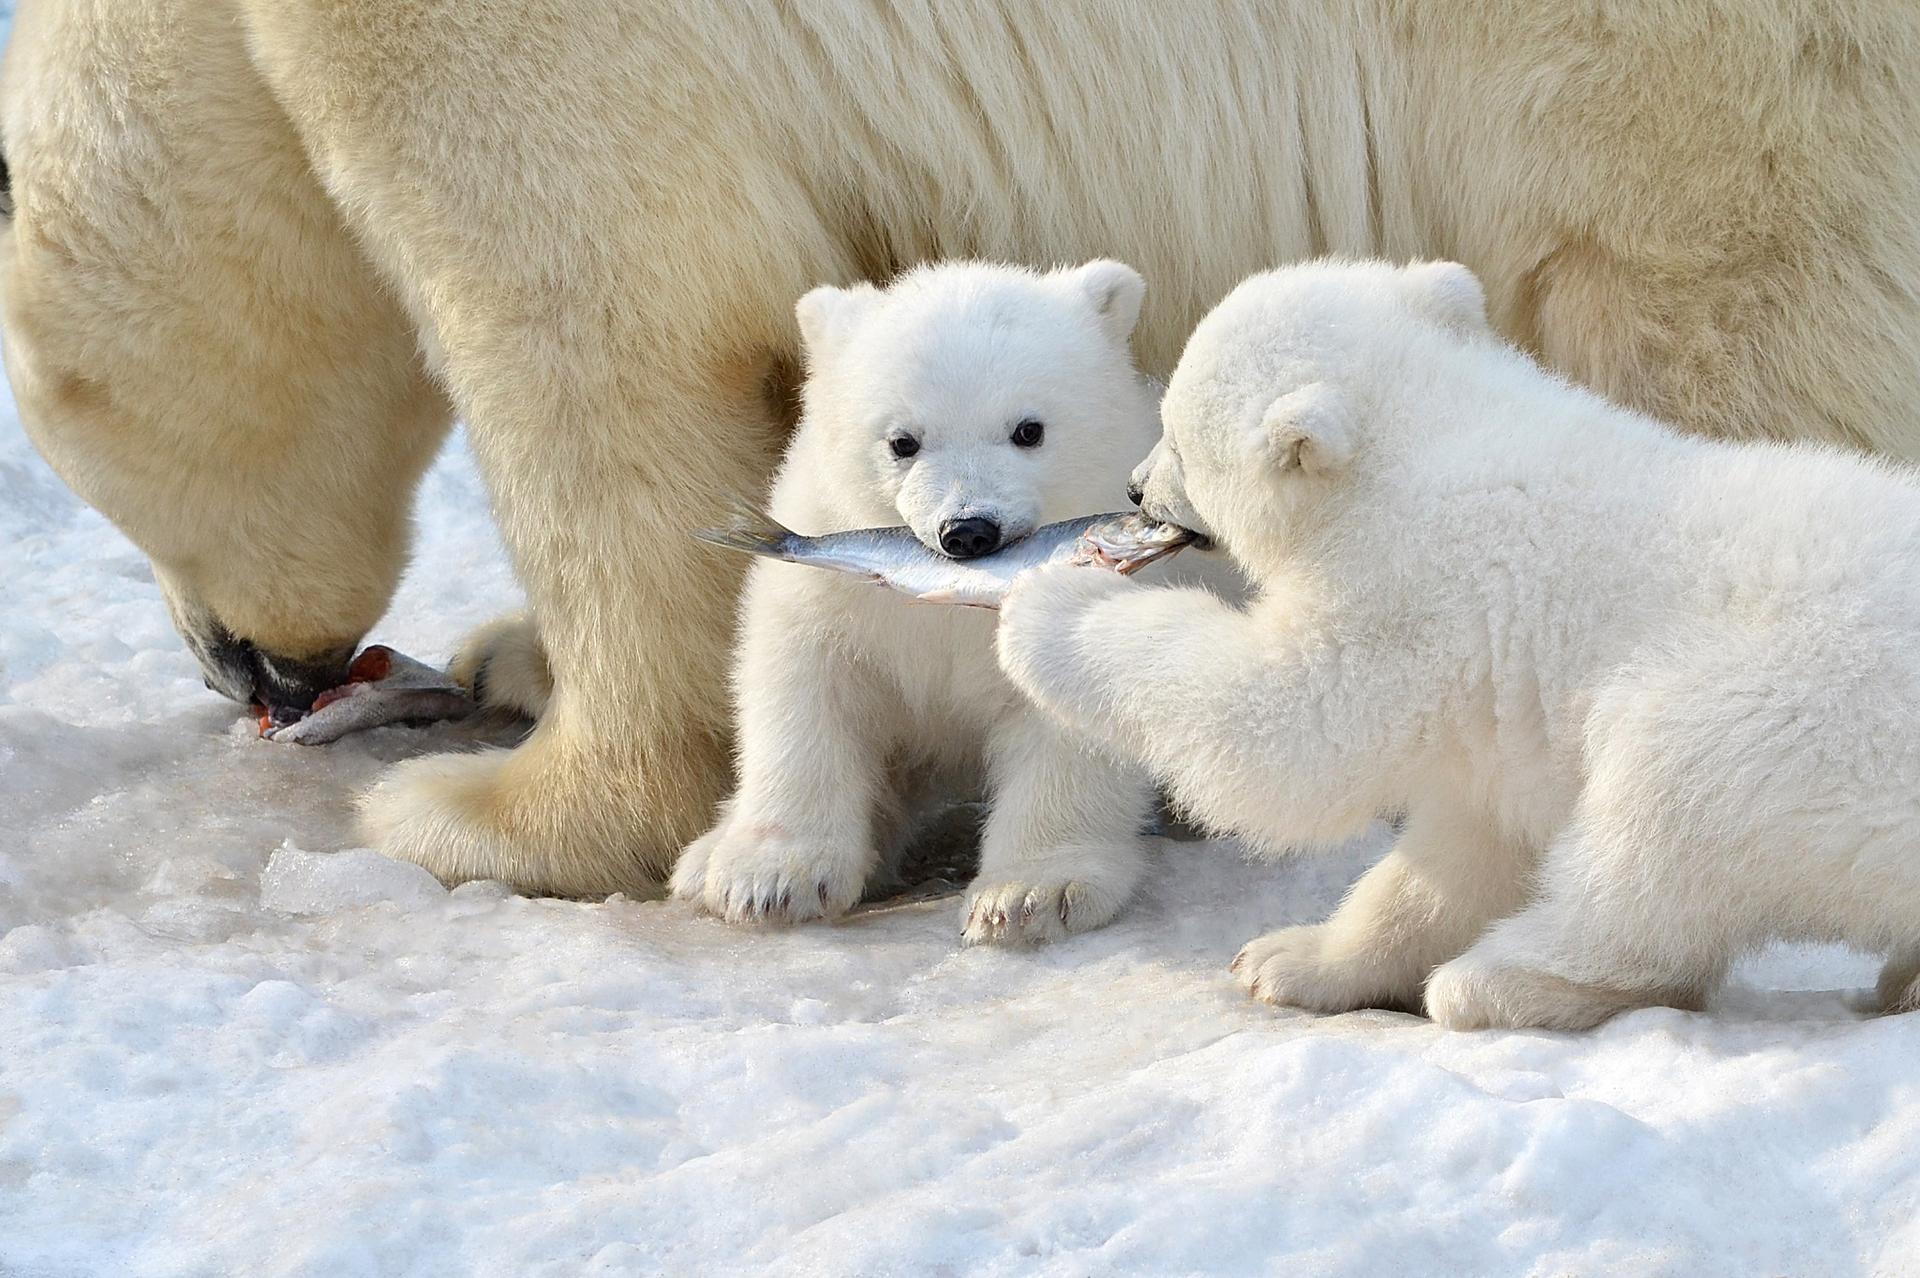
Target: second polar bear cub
[972,402]
[1647,700]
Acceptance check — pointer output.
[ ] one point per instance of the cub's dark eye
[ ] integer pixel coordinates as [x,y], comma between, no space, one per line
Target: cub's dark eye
[904,445]
[1029,433]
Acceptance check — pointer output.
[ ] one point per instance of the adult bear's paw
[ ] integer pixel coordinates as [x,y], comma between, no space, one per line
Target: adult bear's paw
[497,815]
[761,872]
[502,664]
[1899,987]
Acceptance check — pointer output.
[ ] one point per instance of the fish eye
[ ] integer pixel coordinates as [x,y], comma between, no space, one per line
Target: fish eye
[1029,433]
[904,446]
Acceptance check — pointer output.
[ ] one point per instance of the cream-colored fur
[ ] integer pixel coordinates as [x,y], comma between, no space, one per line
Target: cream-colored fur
[237,221]
[502,664]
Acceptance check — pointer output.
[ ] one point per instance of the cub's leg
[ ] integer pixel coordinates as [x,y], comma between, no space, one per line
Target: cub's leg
[1063,848]
[1449,875]
[1642,897]
[1742,783]
[797,839]
[1613,928]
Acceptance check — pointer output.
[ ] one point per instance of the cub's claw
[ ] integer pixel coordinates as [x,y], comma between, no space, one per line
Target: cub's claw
[1024,914]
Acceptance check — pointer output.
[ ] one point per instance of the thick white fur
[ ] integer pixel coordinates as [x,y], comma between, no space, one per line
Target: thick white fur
[851,700]
[1681,677]
[264,248]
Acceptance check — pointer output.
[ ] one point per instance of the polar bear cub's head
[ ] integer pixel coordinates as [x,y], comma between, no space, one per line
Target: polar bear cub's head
[1277,390]
[975,401]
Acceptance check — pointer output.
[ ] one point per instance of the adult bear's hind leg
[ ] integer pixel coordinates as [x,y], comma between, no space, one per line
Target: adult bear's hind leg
[504,665]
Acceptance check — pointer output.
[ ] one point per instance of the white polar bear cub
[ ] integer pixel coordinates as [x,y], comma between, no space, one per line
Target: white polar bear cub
[1659,696]
[974,403]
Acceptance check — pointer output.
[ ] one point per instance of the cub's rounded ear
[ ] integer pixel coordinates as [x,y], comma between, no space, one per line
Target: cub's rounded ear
[827,314]
[1114,290]
[1450,295]
[1309,430]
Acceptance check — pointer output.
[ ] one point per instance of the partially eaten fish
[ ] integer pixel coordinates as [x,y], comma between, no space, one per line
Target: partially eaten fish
[383,686]
[894,557]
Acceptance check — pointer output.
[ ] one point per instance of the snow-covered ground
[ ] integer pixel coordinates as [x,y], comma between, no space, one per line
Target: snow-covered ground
[232,1044]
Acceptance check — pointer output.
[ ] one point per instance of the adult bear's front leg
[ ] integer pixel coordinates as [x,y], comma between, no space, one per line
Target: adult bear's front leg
[629,756]
[603,278]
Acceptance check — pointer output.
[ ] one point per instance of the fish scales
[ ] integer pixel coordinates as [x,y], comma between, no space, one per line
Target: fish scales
[1122,541]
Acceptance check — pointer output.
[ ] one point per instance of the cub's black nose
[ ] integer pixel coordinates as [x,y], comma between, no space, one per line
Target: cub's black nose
[1135,494]
[969,538]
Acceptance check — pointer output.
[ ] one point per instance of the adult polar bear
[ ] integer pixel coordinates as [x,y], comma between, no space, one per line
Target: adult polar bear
[240,223]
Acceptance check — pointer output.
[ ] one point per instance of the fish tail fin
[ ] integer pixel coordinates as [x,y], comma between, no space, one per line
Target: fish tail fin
[749,530]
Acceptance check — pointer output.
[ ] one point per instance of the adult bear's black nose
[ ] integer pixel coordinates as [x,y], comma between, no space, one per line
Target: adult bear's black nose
[285,686]
[1136,494]
[969,538]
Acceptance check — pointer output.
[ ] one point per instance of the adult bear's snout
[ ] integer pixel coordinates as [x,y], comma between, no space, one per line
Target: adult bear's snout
[285,686]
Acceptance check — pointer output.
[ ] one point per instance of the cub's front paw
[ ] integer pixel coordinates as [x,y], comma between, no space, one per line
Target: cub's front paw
[758,871]
[1043,606]
[1028,913]
[1291,968]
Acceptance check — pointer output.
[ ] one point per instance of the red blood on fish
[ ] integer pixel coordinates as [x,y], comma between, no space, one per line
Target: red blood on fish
[371,666]
[330,696]
[266,719]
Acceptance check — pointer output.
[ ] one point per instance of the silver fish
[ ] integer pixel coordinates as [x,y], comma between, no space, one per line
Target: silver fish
[383,686]
[1123,541]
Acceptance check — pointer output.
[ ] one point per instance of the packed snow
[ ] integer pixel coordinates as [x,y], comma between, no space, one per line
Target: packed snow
[234,1042]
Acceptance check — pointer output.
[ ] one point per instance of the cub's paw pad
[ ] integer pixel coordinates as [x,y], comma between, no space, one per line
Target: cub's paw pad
[689,880]
[1289,968]
[749,872]
[1028,914]
[1459,996]
[1473,993]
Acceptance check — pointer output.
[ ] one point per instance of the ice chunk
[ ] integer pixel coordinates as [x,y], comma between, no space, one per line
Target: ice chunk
[297,882]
